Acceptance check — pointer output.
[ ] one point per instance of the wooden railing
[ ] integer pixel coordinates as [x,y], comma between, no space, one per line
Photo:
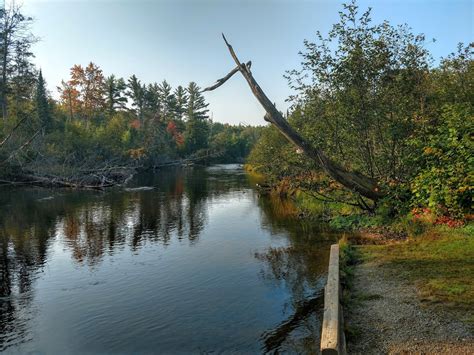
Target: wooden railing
[332,335]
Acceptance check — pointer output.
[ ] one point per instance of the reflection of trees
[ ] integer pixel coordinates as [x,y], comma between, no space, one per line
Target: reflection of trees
[91,225]
[175,207]
[300,267]
[23,249]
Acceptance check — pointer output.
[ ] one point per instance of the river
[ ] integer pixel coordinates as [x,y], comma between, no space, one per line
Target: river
[181,261]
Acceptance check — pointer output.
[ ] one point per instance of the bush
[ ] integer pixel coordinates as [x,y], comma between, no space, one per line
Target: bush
[445,182]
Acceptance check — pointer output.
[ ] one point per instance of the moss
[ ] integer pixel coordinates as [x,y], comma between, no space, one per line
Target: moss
[348,258]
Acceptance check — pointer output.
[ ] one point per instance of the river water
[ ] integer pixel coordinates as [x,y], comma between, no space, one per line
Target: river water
[182,261]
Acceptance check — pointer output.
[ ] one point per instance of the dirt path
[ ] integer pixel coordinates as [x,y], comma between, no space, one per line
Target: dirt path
[387,317]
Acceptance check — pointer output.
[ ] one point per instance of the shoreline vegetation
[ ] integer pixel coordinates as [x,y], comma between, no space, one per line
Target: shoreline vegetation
[100,179]
[101,128]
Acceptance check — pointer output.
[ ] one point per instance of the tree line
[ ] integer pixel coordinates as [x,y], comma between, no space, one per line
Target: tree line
[99,123]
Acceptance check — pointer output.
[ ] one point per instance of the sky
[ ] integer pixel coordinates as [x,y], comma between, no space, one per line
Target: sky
[180,40]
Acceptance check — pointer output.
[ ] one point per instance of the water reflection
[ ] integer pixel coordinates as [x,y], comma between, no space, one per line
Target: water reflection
[37,224]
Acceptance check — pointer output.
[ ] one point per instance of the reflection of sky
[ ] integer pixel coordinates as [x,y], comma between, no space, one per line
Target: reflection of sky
[168,294]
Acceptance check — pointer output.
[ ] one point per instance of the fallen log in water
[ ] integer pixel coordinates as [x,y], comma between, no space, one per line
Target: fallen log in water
[192,160]
[94,180]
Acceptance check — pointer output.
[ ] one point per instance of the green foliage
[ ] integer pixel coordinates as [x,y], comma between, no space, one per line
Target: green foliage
[235,142]
[115,98]
[100,123]
[137,94]
[41,104]
[359,92]
[354,222]
[197,126]
[196,135]
[275,157]
[446,178]
[197,106]
[368,98]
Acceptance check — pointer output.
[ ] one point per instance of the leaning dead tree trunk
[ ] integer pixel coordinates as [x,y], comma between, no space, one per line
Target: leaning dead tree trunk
[354,181]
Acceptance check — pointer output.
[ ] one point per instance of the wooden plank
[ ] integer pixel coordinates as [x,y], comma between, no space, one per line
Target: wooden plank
[332,334]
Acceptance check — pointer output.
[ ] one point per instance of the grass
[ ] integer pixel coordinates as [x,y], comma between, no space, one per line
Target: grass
[440,262]
[318,209]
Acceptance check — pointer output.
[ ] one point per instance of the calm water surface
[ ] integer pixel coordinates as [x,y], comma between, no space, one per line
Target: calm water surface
[182,261]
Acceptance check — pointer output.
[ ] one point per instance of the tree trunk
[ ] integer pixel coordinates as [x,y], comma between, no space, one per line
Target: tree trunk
[354,181]
[3,87]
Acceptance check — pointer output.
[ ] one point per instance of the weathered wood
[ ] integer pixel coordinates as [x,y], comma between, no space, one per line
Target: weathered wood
[352,180]
[332,334]
[221,81]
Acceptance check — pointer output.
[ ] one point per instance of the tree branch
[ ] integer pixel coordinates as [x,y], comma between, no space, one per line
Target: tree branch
[221,81]
[12,131]
[21,148]
[354,181]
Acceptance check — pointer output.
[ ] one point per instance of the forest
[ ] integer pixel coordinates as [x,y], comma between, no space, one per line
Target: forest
[102,128]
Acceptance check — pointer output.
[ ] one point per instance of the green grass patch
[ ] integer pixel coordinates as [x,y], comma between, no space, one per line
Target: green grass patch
[440,262]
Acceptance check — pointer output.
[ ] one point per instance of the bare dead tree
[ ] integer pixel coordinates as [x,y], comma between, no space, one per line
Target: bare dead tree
[18,150]
[354,181]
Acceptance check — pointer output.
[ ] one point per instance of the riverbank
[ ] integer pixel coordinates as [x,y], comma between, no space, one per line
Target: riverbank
[412,296]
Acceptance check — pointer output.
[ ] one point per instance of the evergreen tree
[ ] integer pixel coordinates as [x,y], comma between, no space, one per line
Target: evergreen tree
[23,75]
[197,106]
[181,102]
[197,127]
[152,99]
[167,99]
[115,91]
[42,105]
[137,94]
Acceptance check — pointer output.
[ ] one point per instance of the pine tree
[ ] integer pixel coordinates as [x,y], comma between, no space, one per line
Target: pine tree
[42,105]
[137,94]
[152,99]
[168,100]
[115,91]
[197,127]
[197,106]
[181,102]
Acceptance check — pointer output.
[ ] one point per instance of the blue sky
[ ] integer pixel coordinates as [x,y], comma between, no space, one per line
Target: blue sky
[180,40]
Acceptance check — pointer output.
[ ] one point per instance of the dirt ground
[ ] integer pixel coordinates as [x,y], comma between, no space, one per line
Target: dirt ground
[387,317]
